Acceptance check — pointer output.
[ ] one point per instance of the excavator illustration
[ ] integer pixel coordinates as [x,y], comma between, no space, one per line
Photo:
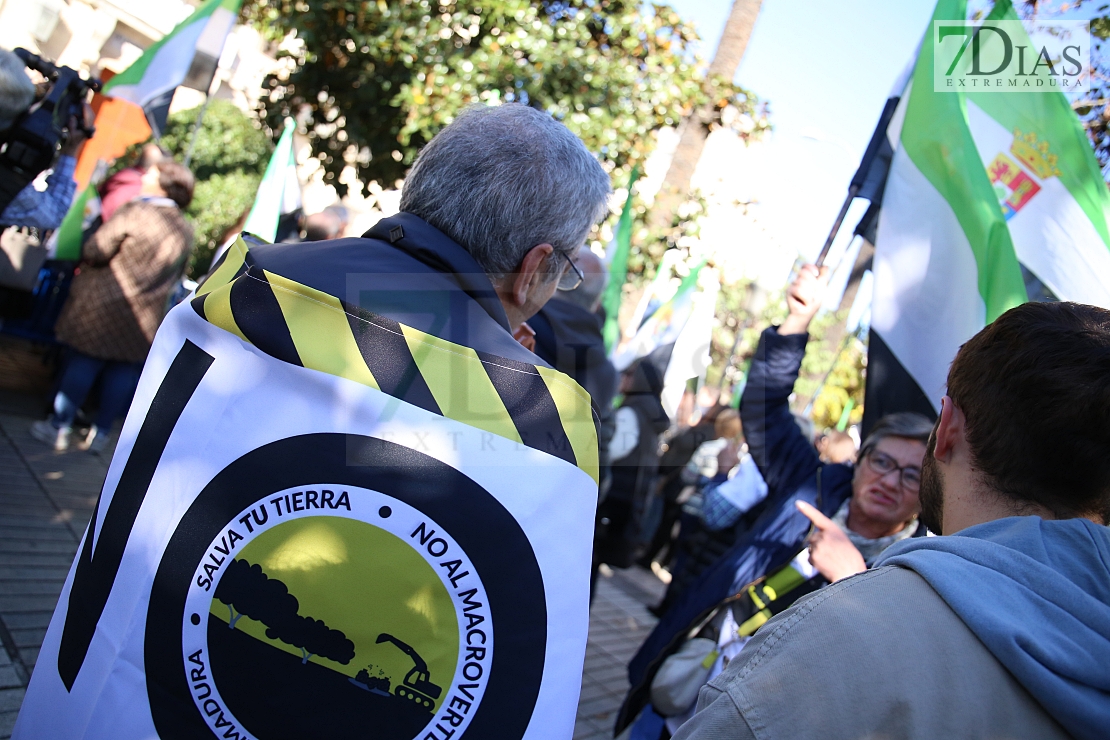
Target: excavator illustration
[419,690]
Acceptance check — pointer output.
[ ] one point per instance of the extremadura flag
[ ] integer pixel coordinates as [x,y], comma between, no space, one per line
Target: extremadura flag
[992,199]
[321,521]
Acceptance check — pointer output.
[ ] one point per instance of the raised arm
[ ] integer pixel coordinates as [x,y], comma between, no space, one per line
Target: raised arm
[784,456]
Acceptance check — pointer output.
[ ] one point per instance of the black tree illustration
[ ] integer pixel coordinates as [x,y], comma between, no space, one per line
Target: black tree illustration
[246,589]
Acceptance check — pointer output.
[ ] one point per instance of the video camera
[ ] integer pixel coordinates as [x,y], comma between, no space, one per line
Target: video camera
[30,145]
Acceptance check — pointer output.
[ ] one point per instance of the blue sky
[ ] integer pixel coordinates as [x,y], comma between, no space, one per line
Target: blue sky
[821,64]
[826,70]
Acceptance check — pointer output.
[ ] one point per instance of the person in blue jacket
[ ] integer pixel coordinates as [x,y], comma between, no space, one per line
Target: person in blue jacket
[839,517]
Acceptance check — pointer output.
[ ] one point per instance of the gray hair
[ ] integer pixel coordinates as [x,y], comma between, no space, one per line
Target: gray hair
[594,279]
[501,180]
[905,424]
[17,92]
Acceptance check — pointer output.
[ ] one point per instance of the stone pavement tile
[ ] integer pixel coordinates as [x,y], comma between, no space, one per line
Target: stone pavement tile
[33,543]
[7,723]
[28,638]
[10,699]
[28,620]
[589,729]
[9,678]
[33,572]
[30,588]
[619,623]
[30,657]
[41,532]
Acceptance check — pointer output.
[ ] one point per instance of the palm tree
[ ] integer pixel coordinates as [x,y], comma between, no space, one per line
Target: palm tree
[695,129]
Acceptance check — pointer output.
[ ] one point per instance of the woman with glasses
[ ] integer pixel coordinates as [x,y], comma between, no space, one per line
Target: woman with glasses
[819,523]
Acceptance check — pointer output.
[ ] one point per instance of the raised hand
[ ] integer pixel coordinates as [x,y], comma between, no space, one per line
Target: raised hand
[803,298]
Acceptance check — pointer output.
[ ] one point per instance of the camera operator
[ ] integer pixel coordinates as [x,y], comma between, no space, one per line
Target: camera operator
[45,209]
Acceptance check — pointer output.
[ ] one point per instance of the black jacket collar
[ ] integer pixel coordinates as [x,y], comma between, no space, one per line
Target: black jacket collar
[426,243]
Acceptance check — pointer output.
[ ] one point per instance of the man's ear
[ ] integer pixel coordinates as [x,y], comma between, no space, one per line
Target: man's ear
[950,429]
[530,274]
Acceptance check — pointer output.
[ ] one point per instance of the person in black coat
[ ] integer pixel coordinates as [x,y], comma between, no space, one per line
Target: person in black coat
[567,336]
[626,515]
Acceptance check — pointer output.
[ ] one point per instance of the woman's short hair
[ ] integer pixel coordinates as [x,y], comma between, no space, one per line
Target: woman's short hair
[178,182]
[904,424]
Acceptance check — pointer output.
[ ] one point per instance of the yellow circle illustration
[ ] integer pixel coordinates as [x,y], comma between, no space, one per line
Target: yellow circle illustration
[342,595]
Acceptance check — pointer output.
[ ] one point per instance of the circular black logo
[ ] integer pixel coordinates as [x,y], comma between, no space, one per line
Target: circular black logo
[336,585]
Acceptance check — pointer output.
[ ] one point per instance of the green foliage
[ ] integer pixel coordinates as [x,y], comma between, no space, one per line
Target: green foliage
[845,381]
[374,81]
[229,158]
[229,140]
[218,204]
[734,317]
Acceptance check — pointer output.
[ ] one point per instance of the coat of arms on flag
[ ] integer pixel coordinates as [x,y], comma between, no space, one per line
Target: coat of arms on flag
[1012,182]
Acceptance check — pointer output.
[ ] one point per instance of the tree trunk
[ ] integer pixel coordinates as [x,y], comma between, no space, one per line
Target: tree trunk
[695,129]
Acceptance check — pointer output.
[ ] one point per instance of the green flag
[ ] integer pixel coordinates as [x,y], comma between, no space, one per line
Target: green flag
[617,256]
[73,226]
[197,40]
[280,191]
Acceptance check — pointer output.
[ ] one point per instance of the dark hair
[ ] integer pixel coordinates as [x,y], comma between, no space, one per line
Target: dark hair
[322,226]
[905,424]
[177,181]
[1034,388]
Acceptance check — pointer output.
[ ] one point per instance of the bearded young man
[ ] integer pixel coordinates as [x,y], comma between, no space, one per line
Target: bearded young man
[1001,628]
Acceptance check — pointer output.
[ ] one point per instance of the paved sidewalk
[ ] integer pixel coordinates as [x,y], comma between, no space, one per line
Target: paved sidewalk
[46,499]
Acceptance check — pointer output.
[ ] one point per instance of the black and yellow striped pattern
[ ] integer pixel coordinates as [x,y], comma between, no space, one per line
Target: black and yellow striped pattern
[534,406]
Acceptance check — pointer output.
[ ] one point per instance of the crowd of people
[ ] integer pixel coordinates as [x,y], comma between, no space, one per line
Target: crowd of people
[807,596]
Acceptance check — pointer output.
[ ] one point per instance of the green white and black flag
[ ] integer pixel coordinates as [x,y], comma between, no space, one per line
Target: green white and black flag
[991,199]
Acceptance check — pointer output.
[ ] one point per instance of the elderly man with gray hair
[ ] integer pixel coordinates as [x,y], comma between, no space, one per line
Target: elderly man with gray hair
[431,566]
[40,209]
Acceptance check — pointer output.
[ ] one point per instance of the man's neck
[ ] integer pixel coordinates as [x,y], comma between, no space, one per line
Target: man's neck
[864,526]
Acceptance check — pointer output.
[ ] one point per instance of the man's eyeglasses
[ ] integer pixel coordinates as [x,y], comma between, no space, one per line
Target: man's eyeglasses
[908,476]
[572,278]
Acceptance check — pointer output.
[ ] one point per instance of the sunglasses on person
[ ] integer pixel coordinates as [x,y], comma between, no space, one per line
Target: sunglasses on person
[572,278]
[909,476]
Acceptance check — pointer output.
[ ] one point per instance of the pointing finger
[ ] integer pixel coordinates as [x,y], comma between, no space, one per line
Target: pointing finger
[819,520]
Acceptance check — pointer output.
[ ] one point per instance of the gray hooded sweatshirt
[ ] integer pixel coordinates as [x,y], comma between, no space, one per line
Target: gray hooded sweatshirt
[1000,631]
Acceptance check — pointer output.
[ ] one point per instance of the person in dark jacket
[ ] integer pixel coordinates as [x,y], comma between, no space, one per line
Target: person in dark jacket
[626,514]
[676,454]
[568,337]
[870,505]
[116,303]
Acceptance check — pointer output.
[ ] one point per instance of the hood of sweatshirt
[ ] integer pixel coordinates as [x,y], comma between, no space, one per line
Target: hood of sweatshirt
[1037,594]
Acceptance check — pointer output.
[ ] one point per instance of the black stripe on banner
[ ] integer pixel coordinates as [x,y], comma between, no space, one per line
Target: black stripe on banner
[198,305]
[386,354]
[890,387]
[259,317]
[530,405]
[96,569]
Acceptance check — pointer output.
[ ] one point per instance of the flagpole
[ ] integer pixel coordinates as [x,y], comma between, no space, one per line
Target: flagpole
[860,178]
[200,115]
